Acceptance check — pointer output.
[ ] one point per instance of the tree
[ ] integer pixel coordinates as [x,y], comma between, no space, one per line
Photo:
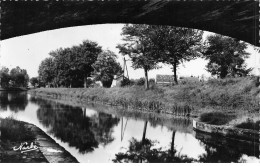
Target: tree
[73,65]
[19,77]
[46,71]
[62,67]
[4,77]
[139,48]
[175,45]
[34,81]
[106,67]
[85,56]
[226,56]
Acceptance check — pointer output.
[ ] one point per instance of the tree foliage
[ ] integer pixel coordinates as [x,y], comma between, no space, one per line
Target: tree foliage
[147,45]
[47,71]
[175,45]
[226,56]
[69,67]
[34,81]
[4,76]
[106,67]
[19,77]
[138,47]
[16,77]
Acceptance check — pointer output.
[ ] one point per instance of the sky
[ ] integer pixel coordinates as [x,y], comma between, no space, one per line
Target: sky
[29,50]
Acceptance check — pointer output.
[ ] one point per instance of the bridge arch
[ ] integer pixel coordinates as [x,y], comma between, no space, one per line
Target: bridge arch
[235,18]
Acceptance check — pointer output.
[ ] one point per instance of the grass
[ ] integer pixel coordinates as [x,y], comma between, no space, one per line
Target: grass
[13,130]
[225,93]
[231,96]
[128,97]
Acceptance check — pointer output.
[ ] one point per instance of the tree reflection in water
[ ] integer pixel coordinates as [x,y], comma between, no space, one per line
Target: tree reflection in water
[224,150]
[16,101]
[145,151]
[71,125]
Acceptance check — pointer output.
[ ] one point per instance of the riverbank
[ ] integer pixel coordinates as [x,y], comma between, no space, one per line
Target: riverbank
[13,89]
[228,131]
[42,149]
[237,99]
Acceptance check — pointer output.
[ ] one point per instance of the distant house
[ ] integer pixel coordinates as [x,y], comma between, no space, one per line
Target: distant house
[164,79]
[190,79]
[99,83]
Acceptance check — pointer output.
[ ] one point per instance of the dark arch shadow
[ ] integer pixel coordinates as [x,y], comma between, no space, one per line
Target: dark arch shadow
[237,19]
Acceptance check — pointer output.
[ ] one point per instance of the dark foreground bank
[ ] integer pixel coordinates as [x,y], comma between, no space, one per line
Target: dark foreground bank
[18,89]
[25,143]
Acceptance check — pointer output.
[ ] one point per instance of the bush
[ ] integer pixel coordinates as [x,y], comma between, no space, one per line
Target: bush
[151,81]
[215,118]
[140,81]
[249,124]
[126,82]
[13,130]
[152,84]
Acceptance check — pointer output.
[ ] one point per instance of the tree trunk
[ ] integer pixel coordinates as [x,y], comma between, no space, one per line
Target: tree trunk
[144,132]
[223,73]
[85,82]
[146,79]
[107,83]
[84,112]
[175,71]
[172,144]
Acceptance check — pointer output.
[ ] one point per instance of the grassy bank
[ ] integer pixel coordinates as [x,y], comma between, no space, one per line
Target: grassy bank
[236,97]
[13,130]
[13,133]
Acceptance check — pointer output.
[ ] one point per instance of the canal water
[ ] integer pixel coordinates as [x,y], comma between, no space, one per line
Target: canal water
[96,133]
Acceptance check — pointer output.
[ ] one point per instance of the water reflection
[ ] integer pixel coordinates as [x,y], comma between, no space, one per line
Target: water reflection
[72,125]
[16,101]
[224,150]
[145,151]
[95,133]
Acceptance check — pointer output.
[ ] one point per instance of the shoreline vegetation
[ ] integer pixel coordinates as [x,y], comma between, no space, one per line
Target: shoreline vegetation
[230,101]
[15,133]
[13,89]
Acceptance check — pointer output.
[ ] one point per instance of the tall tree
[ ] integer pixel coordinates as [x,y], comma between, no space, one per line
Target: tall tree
[34,81]
[70,67]
[4,77]
[62,66]
[138,47]
[47,71]
[226,56]
[85,55]
[175,45]
[19,77]
[106,67]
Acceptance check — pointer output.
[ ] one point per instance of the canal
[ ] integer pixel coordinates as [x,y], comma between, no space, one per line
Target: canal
[96,133]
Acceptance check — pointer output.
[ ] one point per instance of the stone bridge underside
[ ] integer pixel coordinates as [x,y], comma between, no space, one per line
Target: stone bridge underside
[238,19]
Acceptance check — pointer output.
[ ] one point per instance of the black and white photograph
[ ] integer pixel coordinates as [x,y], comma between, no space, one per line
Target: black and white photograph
[129,81]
